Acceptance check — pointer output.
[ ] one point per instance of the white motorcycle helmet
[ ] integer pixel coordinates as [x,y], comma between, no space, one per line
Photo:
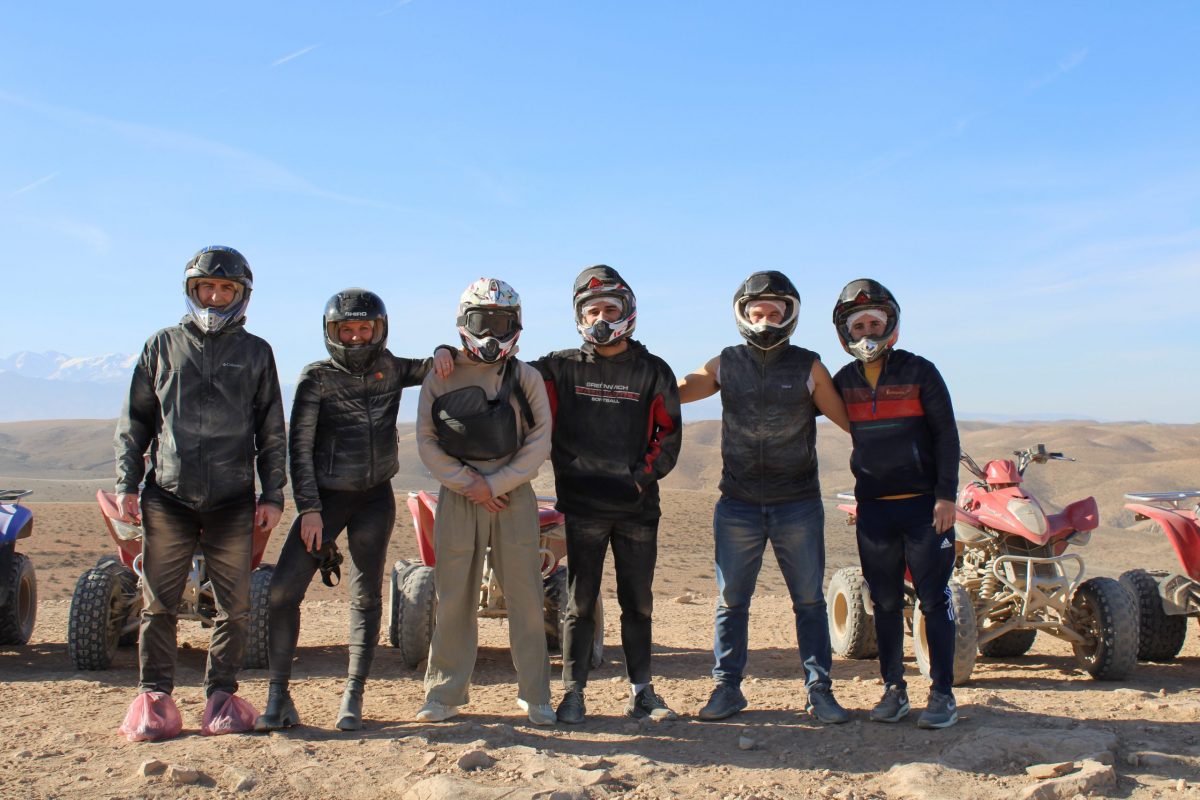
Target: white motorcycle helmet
[489,319]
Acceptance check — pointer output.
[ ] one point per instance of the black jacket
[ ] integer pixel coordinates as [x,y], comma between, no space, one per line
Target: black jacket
[206,406]
[768,425]
[616,428]
[343,427]
[904,434]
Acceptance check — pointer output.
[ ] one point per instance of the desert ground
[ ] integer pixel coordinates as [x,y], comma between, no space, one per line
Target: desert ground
[1139,738]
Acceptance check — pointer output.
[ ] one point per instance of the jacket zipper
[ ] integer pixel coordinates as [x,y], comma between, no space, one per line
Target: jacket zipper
[370,434]
[762,401]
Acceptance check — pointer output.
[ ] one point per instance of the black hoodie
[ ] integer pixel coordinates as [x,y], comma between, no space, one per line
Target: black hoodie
[617,427]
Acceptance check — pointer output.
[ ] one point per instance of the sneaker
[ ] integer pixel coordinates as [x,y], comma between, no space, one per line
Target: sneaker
[648,704]
[725,701]
[540,714]
[893,707]
[571,711]
[823,706]
[940,712]
[433,711]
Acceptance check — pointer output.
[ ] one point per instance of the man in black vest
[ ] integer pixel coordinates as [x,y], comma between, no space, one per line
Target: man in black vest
[771,393]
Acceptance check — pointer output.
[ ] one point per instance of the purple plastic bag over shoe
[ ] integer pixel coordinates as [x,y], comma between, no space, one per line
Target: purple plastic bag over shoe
[152,716]
[227,713]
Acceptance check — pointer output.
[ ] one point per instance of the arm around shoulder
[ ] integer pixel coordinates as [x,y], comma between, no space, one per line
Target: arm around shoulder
[700,383]
[827,398]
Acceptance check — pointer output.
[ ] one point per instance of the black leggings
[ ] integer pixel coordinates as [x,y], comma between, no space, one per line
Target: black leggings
[367,517]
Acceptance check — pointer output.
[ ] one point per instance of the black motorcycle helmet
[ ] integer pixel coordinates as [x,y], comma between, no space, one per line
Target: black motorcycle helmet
[768,285]
[225,263]
[355,305]
[602,281]
[865,294]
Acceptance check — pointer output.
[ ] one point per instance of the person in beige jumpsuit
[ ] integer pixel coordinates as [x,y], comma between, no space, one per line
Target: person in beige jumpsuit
[482,504]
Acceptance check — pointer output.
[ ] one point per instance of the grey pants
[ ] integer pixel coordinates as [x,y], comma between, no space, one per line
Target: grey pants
[225,537]
[462,532]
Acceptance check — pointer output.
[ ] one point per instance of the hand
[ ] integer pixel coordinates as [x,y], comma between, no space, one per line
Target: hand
[495,504]
[266,516]
[478,492]
[127,507]
[311,527]
[943,516]
[443,362]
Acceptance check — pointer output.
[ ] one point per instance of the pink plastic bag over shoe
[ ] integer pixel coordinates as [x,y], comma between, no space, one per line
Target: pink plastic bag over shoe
[227,713]
[152,716]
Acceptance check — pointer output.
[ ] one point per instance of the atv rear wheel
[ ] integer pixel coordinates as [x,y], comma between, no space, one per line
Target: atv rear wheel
[99,609]
[258,631]
[18,615]
[1009,645]
[851,628]
[400,571]
[1160,635]
[414,602]
[1104,613]
[966,636]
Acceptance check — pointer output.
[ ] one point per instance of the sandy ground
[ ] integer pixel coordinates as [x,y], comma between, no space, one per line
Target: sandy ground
[60,739]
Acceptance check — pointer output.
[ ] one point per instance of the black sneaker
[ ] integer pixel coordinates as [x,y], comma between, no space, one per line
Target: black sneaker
[893,707]
[941,711]
[825,707]
[647,704]
[572,710]
[725,701]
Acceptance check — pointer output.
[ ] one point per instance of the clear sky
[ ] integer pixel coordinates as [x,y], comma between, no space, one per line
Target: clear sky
[1024,176]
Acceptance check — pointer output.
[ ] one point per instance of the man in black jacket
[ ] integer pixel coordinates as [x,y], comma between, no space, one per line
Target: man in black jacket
[905,465]
[204,401]
[343,455]
[617,431]
[771,392]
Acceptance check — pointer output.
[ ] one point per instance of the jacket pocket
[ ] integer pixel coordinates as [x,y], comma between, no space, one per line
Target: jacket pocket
[599,483]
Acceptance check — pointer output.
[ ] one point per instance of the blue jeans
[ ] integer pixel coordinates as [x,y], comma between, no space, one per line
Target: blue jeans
[797,533]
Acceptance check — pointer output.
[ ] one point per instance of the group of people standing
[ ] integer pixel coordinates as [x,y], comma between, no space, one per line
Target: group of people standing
[204,410]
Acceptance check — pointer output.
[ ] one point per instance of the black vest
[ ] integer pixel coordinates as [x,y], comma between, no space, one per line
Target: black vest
[768,425]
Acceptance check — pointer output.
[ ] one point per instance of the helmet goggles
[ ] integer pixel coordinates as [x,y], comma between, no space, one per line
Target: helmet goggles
[498,322]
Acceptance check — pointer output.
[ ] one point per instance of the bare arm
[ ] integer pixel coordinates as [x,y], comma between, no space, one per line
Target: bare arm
[826,396]
[702,383]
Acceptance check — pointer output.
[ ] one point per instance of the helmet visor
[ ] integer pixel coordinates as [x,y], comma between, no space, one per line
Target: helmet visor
[496,322]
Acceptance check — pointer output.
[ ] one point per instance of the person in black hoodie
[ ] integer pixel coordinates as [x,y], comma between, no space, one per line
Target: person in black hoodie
[617,432]
[905,465]
[343,455]
[771,393]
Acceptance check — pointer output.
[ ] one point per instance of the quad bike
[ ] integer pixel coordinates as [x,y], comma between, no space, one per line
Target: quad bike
[106,606]
[1012,564]
[18,581]
[1165,600]
[414,599]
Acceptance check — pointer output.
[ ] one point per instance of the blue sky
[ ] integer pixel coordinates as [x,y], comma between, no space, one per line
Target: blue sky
[1024,176]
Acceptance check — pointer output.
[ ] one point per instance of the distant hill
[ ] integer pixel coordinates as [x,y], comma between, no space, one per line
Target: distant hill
[70,459]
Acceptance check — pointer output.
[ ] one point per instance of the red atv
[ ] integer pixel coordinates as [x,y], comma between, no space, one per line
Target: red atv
[1013,567]
[106,606]
[1165,600]
[414,599]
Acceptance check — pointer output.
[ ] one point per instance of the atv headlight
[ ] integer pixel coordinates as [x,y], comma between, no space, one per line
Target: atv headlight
[125,531]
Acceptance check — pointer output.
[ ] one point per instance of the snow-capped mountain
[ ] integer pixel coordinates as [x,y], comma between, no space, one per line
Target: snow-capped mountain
[53,366]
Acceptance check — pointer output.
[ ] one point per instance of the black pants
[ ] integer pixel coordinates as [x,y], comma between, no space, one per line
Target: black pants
[367,517]
[893,534]
[225,537]
[635,550]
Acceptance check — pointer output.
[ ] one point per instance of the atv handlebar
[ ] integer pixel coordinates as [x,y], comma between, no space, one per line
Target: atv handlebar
[1038,454]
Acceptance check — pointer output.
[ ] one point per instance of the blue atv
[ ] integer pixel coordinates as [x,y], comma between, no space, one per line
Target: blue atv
[18,581]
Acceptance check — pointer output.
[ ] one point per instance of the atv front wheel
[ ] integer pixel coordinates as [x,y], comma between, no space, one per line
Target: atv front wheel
[1105,614]
[555,609]
[99,609]
[1160,635]
[966,636]
[414,604]
[18,615]
[851,628]
[258,631]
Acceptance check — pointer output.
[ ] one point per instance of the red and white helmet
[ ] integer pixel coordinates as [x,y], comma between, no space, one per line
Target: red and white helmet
[489,319]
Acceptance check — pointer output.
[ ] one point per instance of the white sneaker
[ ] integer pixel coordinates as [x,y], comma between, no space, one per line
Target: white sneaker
[542,714]
[433,711]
